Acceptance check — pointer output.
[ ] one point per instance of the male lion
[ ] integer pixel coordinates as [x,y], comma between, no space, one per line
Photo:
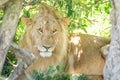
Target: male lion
[46,37]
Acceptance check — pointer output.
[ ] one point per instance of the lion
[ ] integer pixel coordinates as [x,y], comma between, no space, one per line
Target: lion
[46,37]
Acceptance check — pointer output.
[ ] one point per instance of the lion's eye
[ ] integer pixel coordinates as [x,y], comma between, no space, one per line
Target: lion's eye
[54,31]
[40,30]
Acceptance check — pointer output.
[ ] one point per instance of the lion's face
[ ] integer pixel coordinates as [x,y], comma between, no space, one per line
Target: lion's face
[46,34]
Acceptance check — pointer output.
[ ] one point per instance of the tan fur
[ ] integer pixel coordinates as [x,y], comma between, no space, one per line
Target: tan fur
[85,55]
[80,52]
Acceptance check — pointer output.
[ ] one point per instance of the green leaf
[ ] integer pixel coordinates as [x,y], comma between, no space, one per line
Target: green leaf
[26,13]
[58,67]
[51,70]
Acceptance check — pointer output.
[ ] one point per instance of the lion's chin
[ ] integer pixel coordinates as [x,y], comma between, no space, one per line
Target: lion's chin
[45,54]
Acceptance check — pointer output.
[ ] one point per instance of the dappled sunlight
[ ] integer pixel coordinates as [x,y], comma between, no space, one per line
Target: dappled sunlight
[75,40]
[79,54]
[78,31]
[94,41]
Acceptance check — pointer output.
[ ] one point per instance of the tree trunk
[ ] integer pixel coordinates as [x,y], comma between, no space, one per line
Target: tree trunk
[112,66]
[3,2]
[8,28]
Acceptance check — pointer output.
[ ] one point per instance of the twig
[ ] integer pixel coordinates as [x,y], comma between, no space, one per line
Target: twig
[23,54]
[26,59]
[17,71]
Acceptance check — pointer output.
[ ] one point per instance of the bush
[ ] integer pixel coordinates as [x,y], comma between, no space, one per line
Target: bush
[57,73]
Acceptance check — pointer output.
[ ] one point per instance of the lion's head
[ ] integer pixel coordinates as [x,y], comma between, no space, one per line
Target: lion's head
[45,33]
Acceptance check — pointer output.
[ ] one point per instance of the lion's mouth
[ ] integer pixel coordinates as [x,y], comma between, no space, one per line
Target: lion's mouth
[45,53]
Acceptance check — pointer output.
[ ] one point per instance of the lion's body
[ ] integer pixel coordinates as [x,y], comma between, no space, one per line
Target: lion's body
[47,39]
[86,56]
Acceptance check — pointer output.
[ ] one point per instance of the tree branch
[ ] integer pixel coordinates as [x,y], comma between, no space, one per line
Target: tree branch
[8,27]
[3,2]
[25,59]
[1,78]
[23,54]
[112,64]
[19,69]
[32,2]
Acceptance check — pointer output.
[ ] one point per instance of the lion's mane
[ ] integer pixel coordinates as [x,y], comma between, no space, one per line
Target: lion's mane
[53,26]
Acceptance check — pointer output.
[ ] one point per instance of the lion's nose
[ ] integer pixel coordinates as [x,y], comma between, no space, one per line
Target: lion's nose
[46,47]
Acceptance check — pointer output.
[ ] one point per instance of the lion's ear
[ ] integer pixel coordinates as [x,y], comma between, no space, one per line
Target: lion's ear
[65,21]
[27,21]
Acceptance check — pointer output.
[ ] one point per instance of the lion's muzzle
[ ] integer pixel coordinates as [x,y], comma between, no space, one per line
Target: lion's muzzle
[45,51]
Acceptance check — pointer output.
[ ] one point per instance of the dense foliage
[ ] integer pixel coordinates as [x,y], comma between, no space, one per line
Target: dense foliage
[87,16]
[57,74]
